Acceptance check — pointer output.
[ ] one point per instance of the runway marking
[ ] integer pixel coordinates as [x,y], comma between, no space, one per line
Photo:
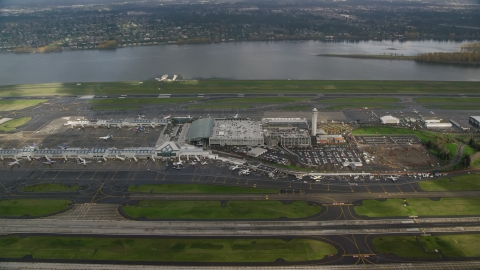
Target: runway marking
[21,174]
[368,189]
[47,226]
[97,193]
[238,180]
[413,187]
[310,186]
[266,197]
[164,177]
[135,174]
[80,175]
[56,175]
[42,175]
[16,225]
[399,188]
[114,175]
[351,188]
[156,177]
[383,188]
[91,178]
[328,187]
[215,179]
[246,183]
[79,226]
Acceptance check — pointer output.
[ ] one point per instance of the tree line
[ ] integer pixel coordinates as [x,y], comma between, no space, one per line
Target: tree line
[445,57]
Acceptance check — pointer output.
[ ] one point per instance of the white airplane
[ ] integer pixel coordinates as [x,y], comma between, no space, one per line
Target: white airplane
[178,163]
[33,146]
[16,162]
[244,172]
[63,146]
[432,112]
[120,158]
[135,158]
[82,161]
[415,111]
[393,178]
[233,168]
[106,137]
[204,163]
[168,116]
[235,116]
[316,177]
[193,163]
[49,161]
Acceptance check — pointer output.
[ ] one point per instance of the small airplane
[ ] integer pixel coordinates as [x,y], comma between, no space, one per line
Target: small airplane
[178,163]
[166,117]
[235,116]
[82,161]
[106,137]
[16,162]
[49,161]
[120,158]
[33,146]
[233,168]
[432,112]
[244,172]
[392,178]
[204,163]
[138,129]
[63,146]
[193,163]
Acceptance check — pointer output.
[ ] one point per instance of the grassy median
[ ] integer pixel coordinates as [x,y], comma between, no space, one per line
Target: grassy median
[422,135]
[13,124]
[49,187]
[452,246]
[463,182]
[194,188]
[419,207]
[172,250]
[18,104]
[32,207]
[215,210]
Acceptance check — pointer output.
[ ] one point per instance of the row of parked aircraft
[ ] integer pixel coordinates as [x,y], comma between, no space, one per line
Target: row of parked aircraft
[241,172]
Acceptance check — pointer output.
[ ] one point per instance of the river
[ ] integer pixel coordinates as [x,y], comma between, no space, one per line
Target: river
[242,60]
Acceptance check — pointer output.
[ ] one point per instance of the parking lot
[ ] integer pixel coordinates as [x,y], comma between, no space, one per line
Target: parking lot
[334,155]
[399,140]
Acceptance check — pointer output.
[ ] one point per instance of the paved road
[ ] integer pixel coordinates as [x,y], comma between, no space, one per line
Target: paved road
[235,228]
[447,265]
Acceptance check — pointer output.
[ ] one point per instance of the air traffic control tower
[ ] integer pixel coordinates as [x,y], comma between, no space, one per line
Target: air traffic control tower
[314,121]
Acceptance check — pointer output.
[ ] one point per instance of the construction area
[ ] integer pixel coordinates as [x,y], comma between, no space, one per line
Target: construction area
[398,157]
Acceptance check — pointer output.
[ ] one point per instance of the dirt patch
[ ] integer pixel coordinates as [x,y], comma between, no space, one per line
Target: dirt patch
[399,157]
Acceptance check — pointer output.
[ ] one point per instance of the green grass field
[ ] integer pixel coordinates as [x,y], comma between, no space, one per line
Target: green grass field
[465,245]
[463,182]
[130,101]
[452,147]
[361,100]
[51,187]
[214,210]
[157,249]
[194,188]
[31,207]
[362,106]
[422,135]
[297,108]
[467,150]
[231,86]
[107,108]
[18,104]
[419,207]
[220,106]
[450,100]
[13,124]
[453,107]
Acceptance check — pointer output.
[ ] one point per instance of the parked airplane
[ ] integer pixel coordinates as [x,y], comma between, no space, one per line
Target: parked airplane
[235,116]
[193,163]
[244,172]
[106,137]
[82,161]
[233,168]
[33,146]
[138,129]
[204,163]
[178,163]
[120,158]
[16,162]
[63,146]
[168,116]
[49,161]
[393,178]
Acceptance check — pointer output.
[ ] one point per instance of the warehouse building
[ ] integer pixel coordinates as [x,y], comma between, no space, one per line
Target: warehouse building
[236,132]
[389,120]
[438,125]
[474,121]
